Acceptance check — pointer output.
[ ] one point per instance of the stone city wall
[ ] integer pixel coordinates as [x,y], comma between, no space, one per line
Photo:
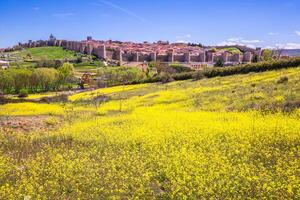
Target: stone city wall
[102,52]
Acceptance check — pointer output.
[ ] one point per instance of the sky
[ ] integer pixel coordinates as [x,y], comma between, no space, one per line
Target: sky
[255,23]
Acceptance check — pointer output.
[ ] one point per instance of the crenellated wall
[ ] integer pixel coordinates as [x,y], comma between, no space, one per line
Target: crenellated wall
[247,57]
[162,57]
[179,58]
[100,50]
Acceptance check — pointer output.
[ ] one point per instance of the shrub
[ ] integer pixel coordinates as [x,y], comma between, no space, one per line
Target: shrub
[219,63]
[183,76]
[23,93]
[227,71]
[79,59]
[166,77]
[179,68]
[65,71]
[198,75]
[283,79]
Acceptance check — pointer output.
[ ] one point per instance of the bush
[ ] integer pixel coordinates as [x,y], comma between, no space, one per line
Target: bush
[252,67]
[179,68]
[120,75]
[23,93]
[49,63]
[219,63]
[227,71]
[198,76]
[183,76]
[166,77]
[283,79]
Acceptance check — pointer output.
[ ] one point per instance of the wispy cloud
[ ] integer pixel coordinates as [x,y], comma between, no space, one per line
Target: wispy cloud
[273,33]
[183,38]
[297,33]
[63,15]
[289,45]
[251,41]
[119,8]
[240,41]
[36,8]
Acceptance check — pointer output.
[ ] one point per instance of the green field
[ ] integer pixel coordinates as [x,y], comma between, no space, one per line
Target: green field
[234,137]
[48,53]
[232,50]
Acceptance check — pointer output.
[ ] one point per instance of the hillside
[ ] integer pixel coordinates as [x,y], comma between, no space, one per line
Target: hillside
[221,138]
[38,53]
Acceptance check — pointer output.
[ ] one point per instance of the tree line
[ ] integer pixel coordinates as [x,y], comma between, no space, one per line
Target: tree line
[12,81]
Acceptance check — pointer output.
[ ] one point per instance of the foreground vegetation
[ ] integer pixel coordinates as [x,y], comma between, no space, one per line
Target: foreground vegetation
[35,80]
[231,137]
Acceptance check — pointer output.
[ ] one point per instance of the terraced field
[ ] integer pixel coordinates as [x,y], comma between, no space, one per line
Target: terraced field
[222,138]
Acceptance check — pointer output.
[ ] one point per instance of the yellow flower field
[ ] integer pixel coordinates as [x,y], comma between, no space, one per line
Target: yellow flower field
[30,109]
[222,138]
[104,91]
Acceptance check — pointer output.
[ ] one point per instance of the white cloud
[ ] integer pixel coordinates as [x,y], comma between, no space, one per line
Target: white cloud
[273,33]
[293,46]
[297,33]
[182,41]
[269,47]
[289,45]
[124,10]
[234,39]
[240,41]
[188,35]
[250,41]
[63,15]
[184,38]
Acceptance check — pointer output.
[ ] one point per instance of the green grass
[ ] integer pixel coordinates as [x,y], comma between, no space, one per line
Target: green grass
[49,53]
[232,50]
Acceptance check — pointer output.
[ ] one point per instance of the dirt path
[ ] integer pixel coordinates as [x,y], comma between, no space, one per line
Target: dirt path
[29,123]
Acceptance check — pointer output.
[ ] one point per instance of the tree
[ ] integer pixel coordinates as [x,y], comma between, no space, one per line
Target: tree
[214,50]
[219,63]
[23,93]
[255,58]
[45,78]
[278,53]
[163,67]
[267,55]
[21,78]
[65,71]
[7,81]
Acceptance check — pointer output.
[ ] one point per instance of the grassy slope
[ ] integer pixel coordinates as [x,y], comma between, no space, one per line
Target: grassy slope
[38,53]
[163,141]
[232,50]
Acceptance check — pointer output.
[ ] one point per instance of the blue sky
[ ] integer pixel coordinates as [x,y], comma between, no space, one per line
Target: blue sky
[265,23]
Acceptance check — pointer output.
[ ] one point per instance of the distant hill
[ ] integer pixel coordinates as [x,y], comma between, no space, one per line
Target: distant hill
[291,52]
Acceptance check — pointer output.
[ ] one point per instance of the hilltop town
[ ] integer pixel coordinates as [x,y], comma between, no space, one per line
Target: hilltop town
[130,53]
